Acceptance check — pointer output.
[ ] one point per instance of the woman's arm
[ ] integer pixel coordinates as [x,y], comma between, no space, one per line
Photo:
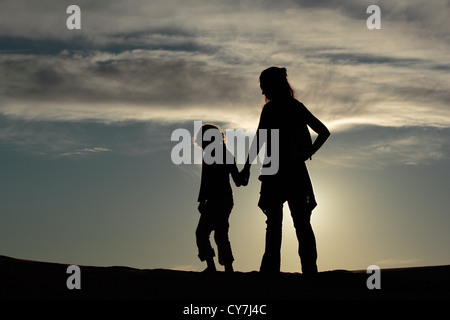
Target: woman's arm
[237,178]
[253,153]
[322,131]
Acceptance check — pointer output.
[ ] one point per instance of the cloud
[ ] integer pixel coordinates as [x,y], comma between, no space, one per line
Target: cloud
[135,77]
[374,147]
[145,85]
[37,137]
[186,268]
[173,62]
[85,151]
[398,262]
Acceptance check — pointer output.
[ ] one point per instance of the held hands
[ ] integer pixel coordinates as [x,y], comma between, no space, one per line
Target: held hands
[245,175]
[241,178]
[202,206]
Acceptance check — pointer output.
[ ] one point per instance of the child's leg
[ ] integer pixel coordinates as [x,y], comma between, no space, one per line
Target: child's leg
[211,266]
[223,244]
[229,267]
[204,229]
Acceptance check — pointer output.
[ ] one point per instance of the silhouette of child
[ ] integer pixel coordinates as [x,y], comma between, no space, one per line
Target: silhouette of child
[215,199]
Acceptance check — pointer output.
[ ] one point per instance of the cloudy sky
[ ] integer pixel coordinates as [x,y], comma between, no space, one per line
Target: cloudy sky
[86,118]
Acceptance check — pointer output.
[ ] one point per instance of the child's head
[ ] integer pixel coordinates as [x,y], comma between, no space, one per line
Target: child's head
[274,84]
[200,139]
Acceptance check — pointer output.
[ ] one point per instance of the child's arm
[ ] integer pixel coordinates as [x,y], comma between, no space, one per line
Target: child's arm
[237,178]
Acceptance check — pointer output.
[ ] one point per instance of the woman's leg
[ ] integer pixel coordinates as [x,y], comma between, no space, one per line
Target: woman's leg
[306,240]
[271,260]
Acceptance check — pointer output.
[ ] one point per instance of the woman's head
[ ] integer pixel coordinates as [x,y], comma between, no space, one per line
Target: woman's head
[202,139]
[274,84]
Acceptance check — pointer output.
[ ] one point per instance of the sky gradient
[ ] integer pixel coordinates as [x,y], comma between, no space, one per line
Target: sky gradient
[86,118]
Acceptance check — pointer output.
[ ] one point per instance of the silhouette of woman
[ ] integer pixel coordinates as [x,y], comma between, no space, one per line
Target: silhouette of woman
[291,183]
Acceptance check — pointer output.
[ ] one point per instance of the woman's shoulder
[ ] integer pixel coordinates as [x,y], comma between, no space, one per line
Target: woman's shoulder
[268,108]
[278,105]
[298,104]
[268,105]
